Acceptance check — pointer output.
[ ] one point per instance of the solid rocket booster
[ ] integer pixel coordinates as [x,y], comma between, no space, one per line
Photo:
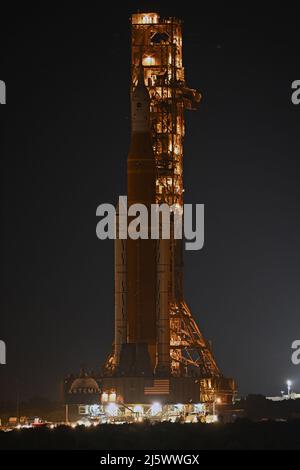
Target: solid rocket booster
[135,260]
[162,307]
[142,325]
[120,290]
[141,253]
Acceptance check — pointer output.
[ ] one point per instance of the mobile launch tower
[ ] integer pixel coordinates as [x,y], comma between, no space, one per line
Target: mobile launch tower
[180,350]
[159,354]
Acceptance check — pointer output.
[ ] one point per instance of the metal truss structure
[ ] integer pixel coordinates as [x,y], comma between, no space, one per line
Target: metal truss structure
[158,43]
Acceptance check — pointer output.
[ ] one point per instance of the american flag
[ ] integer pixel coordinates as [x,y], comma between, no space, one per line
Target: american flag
[158,387]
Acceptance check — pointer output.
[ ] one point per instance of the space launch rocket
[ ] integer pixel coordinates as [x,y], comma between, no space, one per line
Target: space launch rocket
[142,335]
[160,355]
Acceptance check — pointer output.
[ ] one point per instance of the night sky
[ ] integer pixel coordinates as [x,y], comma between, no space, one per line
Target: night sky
[64,138]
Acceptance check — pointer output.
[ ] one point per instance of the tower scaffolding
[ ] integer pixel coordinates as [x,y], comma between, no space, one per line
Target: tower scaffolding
[158,42]
[160,358]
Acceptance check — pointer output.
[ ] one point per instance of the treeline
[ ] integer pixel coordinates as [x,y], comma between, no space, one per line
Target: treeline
[165,436]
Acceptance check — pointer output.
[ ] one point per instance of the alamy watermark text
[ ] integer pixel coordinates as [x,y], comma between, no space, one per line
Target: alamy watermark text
[2,92]
[2,353]
[156,222]
[296,92]
[296,352]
